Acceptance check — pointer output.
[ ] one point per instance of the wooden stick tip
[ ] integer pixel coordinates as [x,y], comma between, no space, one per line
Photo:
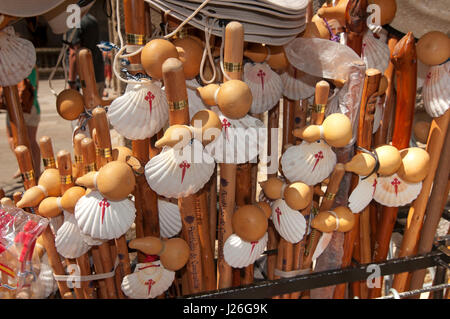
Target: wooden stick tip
[172,65]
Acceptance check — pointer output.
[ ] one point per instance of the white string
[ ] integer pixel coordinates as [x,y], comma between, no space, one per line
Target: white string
[394,293]
[58,202]
[43,189]
[89,277]
[207,51]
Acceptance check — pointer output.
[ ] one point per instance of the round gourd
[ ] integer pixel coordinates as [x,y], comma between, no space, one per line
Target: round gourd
[433,48]
[115,180]
[154,54]
[208,124]
[191,55]
[69,104]
[298,195]
[388,8]
[234,99]
[421,131]
[175,254]
[272,188]
[415,164]
[249,222]
[71,197]
[337,130]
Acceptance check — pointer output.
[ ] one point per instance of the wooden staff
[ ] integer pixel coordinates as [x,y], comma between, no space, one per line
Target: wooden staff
[355,20]
[437,202]
[382,135]
[102,140]
[405,61]
[18,128]
[146,203]
[48,157]
[233,56]
[78,156]
[88,152]
[416,213]
[364,139]
[176,93]
[26,168]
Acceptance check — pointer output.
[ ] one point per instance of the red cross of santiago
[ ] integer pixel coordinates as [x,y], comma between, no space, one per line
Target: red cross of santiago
[150,283]
[278,211]
[103,204]
[395,183]
[183,166]
[261,74]
[374,185]
[254,244]
[318,156]
[225,125]
[149,97]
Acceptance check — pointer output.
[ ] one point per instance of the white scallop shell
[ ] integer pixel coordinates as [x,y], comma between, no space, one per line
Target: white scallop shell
[289,223]
[309,163]
[136,285]
[92,241]
[241,140]
[169,219]
[436,90]
[104,219]
[377,117]
[239,253]
[363,193]
[422,71]
[322,245]
[69,242]
[298,87]
[172,174]
[195,101]
[130,113]
[56,223]
[17,57]
[392,191]
[265,84]
[375,53]
[45,283]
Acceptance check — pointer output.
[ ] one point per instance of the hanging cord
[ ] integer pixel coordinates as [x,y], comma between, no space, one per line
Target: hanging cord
[334,37]
[207,52]
[61,57]
[120,54]
[396,295]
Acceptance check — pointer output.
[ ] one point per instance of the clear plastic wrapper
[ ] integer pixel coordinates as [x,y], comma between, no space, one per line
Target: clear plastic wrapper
[19,268]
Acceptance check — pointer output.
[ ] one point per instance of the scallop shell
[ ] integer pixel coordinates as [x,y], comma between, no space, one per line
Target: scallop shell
[141,112]
[104,219]
[298,88]
[375,53]
[363,194]
[265,84]
[17,57]
[68,240]
[422,71]
[45,284]
[56,223]
[169,219]
[149,280]
[173,175]
[436,90]
[241,140]
[239,253]
[309,163]
[377,117]
[322,245]
[392,191]
[290,224]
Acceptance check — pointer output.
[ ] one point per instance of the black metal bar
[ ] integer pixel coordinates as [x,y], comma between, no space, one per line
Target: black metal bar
[267,289]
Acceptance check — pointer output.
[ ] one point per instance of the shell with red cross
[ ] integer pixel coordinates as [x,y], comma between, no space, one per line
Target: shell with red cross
[436,92]
[176,173]
[265,84]
[374,52]
[69,241]
[149,280]
[239,253]
[298,85]
[309,163]
[289,223]
[392,191]
[101,218]
[141,112]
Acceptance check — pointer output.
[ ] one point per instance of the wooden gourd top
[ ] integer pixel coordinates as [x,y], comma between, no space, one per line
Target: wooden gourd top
[88,150]
[65,170]
[46,148]
[233,50]
[87,77]
[102,137]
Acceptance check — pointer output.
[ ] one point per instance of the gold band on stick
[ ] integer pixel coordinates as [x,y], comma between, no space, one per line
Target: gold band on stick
[329,196]
[232,67]
[319,108]
[49,162]
[90,167]
[104,152]
[28,176]
[135,39]
[178,105]
[66,179]
[78,159]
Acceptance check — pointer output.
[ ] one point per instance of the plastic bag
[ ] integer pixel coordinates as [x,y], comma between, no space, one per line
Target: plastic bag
[19,231]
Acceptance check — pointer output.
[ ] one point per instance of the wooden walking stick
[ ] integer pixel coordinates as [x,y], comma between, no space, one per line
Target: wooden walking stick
[14,108]
[26,168]
[364,139]
[410,240]
[355,19]
[176,93]
[404,59]
[435,208]
[233,56]
[48,157]
[78,156]
[146,203]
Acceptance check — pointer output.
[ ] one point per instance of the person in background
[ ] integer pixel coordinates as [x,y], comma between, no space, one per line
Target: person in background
[87,36]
